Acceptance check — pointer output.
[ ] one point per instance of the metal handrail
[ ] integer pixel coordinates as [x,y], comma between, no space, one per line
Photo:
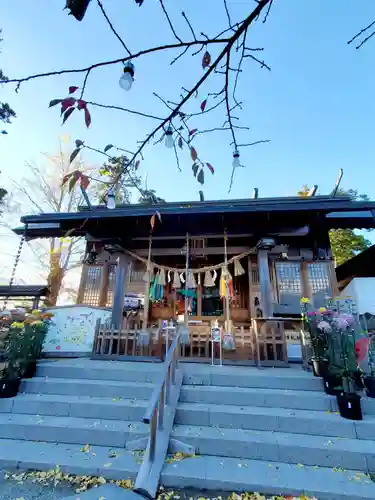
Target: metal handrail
[160,398]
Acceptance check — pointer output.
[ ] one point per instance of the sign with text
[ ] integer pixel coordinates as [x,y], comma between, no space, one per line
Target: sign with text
[72,329]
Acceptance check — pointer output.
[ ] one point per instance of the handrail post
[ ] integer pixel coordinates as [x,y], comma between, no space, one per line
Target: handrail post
[154,423]
[168,385]
[161,407]
[174,367]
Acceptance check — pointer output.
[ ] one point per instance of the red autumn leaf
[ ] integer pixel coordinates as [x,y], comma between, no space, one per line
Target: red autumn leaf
[81,104]
[193,153]
[206,59]
[203,105]
[67,103]
[152,221]
[192,132]
[67,113]
[210,168]
[87,117]
[180,142]
[72,89]
[136,166]
[77,174]
[66,178]
[85,181]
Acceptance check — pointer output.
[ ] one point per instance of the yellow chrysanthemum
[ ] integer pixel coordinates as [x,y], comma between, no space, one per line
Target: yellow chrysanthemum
[305,300]
[17,324]
[322,309]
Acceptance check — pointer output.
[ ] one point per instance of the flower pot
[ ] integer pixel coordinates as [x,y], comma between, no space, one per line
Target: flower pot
[369,381]
[9,387]
[320,368]
[30,370]
[330,383]
[349,406]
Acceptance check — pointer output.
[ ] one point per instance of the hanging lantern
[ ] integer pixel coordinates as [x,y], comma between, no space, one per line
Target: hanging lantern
[236,159]
[126,80]
[169,138]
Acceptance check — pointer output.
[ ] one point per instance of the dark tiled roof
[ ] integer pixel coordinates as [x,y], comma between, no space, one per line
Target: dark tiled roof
[23,291]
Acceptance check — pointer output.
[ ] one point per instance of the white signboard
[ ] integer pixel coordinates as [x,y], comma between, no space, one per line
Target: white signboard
[72,329]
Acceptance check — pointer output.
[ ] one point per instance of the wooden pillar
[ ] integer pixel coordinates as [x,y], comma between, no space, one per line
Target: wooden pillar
[333,279]
[265,283]
[121,280]
[306,287]
[82,284]
[103,286]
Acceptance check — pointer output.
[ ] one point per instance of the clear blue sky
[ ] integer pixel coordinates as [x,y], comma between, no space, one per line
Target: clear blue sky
[316,106]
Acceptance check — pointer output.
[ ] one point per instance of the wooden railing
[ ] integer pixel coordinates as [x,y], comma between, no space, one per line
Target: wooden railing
[160,415]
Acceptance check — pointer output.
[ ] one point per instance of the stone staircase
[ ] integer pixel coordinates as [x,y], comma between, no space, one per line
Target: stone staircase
[272,430]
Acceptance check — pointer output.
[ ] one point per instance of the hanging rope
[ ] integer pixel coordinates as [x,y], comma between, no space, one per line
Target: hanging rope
[195,270]
[186,315]
[226,277]
[147,284]
[15,265]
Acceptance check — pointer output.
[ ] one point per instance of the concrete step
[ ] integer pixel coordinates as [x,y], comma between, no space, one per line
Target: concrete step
[75,406]
[319,423]
[100,370]
[107,492]
[202,472]
[269,478]
[70,429]
[84,387]
[246,376]
[279,447]
[109,462]
[244,396]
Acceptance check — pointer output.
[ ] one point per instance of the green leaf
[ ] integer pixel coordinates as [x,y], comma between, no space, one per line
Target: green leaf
[195,169]
[74,154]
[79,143]
[108,147]
[67,113]
[54,102]
[72,183]
[200,177]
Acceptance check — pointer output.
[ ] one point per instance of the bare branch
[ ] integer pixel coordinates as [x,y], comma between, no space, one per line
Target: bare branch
[190,26]
[360,33]
[177,159]
[116,61]
[119,108]
[112,28]
[169,21]
[268,11]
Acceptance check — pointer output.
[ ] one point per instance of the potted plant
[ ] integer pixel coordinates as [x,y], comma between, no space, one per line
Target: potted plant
[318,338]
[348,400]
[369,380]
[10,371]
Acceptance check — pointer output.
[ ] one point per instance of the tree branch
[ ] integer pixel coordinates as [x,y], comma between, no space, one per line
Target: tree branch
[169,21]
[112,27]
